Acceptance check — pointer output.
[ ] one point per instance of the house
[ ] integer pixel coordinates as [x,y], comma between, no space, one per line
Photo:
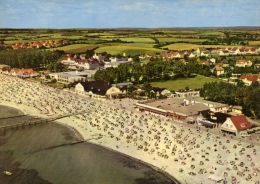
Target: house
[96,88]
[205,53]
[23,73]
[69,77]
[236,124]
[191,55]
[225,63]
[68,60]
[212,60]
[250,78]
[114,92]
[87,64]
[99,57]
[243,63]
[170,55]
[218,70]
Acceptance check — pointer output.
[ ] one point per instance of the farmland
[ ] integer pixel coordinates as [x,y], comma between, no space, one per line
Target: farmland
[134,41]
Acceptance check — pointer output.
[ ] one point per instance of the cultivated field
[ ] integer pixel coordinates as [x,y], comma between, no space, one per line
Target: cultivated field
[136,41]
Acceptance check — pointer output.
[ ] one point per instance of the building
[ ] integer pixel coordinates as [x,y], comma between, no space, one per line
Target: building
[69,77]
[96,88]
[218,70]
[114,92]
[250,78]
[23,73]
[87,64]
[187,93]
[213,106]
[236,124]
[243,63]
[115,64]
[172,107]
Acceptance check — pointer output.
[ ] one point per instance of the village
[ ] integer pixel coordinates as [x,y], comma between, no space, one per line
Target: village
[185,105]
[157,125]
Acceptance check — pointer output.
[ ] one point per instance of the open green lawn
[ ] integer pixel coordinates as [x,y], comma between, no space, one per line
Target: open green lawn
[189,46]
[128,49]
[193,83]
[76,48]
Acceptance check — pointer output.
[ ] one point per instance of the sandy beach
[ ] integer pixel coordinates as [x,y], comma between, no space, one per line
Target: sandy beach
[188,153]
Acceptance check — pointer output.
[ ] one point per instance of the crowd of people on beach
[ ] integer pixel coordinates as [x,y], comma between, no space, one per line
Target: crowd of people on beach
[189,153]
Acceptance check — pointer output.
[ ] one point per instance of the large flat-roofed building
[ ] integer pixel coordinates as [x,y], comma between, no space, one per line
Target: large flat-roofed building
[173,107]
[213,106]
[69,77]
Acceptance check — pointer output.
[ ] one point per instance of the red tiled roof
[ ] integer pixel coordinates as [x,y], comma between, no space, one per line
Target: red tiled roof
[240,122]
[252,78]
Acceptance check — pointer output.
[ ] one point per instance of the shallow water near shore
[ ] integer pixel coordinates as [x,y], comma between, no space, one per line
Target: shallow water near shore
[43,154]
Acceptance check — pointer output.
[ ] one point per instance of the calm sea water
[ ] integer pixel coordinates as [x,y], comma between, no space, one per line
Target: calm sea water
[36,156]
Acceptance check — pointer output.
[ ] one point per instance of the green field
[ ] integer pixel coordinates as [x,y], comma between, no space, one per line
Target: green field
[128,50]
[187,40]
[189,46]
[192,83]
[76,48]
[140,41]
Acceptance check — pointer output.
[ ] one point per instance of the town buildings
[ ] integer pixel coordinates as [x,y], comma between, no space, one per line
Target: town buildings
[69,77]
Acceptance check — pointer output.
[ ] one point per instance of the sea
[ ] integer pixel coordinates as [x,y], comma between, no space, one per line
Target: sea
[45,154]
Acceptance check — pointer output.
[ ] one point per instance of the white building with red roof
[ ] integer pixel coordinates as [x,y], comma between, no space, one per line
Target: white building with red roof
[236,124]
[250,78]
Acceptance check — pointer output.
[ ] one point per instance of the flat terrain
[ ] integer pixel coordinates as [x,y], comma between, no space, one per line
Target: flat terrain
[189,46]
[136,41]
[192,83]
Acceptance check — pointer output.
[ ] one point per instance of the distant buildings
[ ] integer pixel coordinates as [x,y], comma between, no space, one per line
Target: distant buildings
[243,63]
[69,77]
[21,73]
[98,89]
[39,44]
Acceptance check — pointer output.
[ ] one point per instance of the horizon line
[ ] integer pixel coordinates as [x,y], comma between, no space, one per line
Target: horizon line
[180,27]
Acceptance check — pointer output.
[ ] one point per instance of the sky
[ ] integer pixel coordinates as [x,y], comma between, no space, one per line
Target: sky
[128,13]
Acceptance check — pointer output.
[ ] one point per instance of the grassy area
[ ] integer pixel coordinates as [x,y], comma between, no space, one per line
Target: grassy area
[189,46]
[76,48]
[138,40]
[188,40]
[193,83]
[128,49]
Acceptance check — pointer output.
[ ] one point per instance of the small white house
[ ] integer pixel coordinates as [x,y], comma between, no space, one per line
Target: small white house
[236,124]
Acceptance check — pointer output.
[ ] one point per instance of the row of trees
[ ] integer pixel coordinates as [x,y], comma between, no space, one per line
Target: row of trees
[153,71]
[29,58]
[246,96]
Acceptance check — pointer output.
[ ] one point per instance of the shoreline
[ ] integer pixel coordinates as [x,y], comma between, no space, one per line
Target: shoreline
[80,136]
[189,154]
